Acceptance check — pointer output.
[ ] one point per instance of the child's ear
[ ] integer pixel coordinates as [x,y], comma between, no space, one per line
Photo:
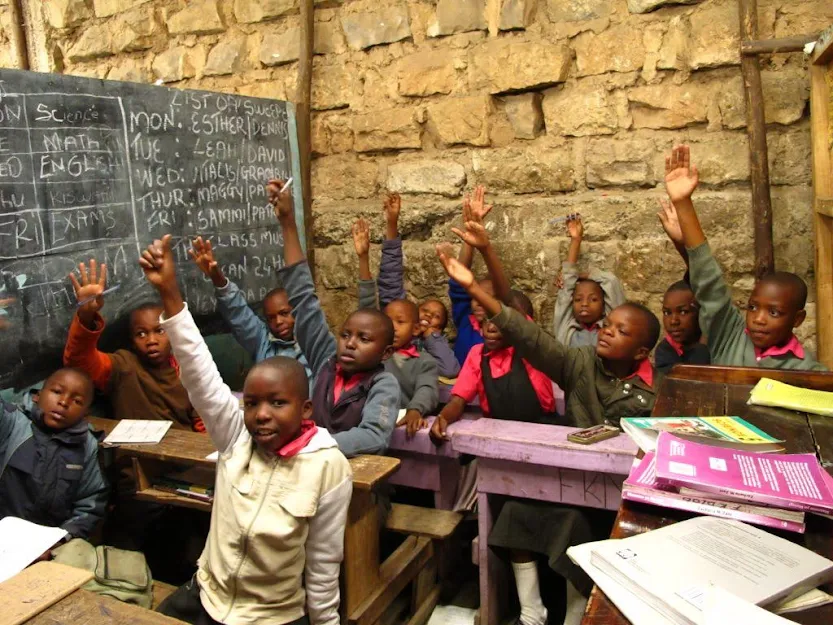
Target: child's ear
[306,411]
[641,354]
[800,316]
[388,352]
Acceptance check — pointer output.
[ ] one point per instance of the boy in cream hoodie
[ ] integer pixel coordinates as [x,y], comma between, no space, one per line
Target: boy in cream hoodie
[282,489]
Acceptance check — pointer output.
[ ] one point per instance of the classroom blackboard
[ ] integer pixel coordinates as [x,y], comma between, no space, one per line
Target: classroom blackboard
[98,169]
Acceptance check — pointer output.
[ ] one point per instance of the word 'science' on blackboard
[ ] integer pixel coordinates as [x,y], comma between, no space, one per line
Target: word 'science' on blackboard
[98,169]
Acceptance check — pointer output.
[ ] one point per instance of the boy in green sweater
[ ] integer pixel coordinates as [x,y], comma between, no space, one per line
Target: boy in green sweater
[764,338]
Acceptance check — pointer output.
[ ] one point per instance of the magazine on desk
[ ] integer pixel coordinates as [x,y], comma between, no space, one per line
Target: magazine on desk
[732,432]
[792,481]
[779,395]
[671,568]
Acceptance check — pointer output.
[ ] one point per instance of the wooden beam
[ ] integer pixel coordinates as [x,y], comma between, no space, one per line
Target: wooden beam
[771,46]
[823,54]
[823,224]
[17,34]
[303,102]
[824,206]
[756,132]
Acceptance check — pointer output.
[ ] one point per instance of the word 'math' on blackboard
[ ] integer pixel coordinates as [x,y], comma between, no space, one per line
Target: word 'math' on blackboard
[99,169]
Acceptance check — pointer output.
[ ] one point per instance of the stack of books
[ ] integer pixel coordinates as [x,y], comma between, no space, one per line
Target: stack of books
[770,490]
[194,483]
[670,575]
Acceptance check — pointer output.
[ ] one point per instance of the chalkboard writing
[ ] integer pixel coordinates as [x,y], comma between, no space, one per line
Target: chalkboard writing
[99,169]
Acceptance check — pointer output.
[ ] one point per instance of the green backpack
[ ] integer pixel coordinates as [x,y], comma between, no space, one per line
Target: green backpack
[120,574]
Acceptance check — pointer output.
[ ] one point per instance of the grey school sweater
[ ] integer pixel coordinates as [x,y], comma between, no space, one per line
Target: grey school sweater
[417,377]
[724,324]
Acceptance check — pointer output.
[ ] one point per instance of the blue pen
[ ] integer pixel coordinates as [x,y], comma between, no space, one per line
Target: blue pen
[559,220]
[103,293]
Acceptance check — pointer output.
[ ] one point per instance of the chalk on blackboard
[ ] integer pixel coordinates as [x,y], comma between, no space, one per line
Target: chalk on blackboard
[104,292]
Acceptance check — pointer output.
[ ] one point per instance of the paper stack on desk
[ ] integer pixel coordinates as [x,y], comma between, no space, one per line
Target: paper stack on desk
[138,432]
[777,394]
[664,576]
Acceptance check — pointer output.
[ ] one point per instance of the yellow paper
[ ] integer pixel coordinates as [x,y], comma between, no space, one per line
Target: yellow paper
[777,394]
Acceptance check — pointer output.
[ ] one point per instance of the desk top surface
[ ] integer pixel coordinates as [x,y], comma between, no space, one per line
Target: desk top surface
[802,433]
[191,448]
[92,609]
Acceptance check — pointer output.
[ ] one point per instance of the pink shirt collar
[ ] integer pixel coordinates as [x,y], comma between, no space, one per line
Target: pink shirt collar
[645,372]
[674,345]
[411,351]
[793,345]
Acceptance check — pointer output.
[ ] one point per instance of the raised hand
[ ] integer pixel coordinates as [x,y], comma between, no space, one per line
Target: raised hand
[681,177]
[476,204]
[203,255]
[575,227]
[670,222]
[454,268]
[361,237]
[558,281]
[475,234]
[157,261]
[393,206]
[89,286]
[281,199]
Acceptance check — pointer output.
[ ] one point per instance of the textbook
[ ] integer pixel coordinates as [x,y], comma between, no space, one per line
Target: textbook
[672,568]
[792,481]
[731,432]
[642,486]
[777,394]
[195,483]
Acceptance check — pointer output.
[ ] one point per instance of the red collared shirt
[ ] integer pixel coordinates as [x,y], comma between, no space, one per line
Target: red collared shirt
[293,447]
[644,372]
[411,351]
[793,345]
[341,384]
[674,345]
[470,380]
[474,323]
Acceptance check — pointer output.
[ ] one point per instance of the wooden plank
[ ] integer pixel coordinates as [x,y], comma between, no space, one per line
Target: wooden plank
[822,189]
[555,484]
[772,46]
[818,380]
[823,54]
[395,573]
[36,588]
[424,610]
[161,591]
[87,608]
[172,499]
[756,132]
[368,471]
[361,551]
[689,398]
[417,521]
[824,206]
[546,445]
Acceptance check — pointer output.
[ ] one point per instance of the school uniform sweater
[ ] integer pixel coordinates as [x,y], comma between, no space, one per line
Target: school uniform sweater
[468,328]
[276,540]
[565,326]
[378,416]
[592,393]
[415,370]
[725,326]
[135,391]
[251,331]
[391,283]
[668,354]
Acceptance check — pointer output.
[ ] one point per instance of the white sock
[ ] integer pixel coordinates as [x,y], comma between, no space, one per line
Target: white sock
[576,604]
[533,611]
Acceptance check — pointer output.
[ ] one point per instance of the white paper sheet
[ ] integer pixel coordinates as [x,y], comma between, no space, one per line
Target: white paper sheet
[723,607]
[452,615]
[138,432]
[22,542]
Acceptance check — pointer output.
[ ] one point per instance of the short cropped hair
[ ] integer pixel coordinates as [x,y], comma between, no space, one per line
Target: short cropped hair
[593,282]
[651,323]
[680,285]
[141,308]
[382,318]
[79,372]
[412,308]
[279,290]
[522,303]
[291,369]
[787,280]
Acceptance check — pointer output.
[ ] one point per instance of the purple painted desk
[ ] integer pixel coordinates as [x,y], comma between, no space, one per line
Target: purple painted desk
[426,466]
[536,462]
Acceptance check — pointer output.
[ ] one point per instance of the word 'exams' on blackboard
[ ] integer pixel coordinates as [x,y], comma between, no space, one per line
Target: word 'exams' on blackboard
[99,169]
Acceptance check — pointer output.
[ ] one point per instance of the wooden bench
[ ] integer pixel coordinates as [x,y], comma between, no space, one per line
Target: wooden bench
[415,562]
[161,591]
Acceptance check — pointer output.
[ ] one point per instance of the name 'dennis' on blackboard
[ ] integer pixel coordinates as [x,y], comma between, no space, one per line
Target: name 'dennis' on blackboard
[98,169]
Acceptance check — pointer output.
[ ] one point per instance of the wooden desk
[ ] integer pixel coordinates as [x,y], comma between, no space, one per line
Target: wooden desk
[361,567]
[92,609]
[724,391]
[536,462]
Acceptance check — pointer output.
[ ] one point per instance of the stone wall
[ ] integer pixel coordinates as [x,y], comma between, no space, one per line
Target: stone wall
[554,105]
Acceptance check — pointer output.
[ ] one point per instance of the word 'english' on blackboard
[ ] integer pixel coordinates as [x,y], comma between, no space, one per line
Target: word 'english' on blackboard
[99,169]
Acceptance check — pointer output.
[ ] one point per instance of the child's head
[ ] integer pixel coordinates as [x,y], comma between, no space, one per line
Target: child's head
[433,313]
[365,340]
[775,309]
[522,303]
[405,317]
[148,338]
[476,309]
[492,336]
[65,397]
[588,302]
[629,333]
[278,314]
[680,314]
[275,400]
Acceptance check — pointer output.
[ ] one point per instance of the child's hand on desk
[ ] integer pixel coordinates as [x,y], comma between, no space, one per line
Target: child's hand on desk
[456,270]
[280,199]
[670,222]
[203,256]
[413,422]
[681,177]
[361,237]
[438,432]
[90,287]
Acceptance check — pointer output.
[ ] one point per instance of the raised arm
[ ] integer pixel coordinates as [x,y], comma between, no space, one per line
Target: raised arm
[475,235]
[391,268]
[477,208]
[210,396]
[671,224]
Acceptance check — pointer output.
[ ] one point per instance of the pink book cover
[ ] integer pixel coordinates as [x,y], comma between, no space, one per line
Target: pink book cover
[641,486]
[792,481]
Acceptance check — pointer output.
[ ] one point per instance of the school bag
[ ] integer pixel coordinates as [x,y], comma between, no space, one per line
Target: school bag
[120,574]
